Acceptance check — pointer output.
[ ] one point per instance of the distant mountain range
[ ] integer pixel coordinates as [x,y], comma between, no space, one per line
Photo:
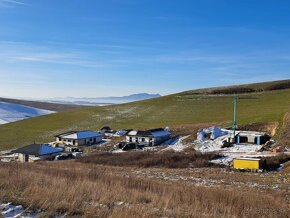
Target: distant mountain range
[104,100]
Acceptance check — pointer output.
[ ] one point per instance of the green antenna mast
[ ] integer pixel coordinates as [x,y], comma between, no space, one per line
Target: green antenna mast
[235,115]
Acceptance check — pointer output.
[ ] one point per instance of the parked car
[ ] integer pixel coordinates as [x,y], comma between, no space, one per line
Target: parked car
[131,146]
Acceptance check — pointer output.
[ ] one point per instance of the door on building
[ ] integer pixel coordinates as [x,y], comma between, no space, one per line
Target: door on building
[244,139]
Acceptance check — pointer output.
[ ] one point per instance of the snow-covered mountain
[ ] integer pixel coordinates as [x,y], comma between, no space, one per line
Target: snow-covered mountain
[105,100]
[13,112]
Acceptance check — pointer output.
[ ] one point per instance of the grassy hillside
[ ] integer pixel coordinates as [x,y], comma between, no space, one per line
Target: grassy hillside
[247,88]
[42,105]
[178,109]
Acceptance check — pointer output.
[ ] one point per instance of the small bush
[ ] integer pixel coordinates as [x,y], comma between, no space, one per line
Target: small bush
[279,86]
[233,90]
[273,163]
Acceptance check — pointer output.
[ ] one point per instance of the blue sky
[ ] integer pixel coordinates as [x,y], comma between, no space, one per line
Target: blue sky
[92,48]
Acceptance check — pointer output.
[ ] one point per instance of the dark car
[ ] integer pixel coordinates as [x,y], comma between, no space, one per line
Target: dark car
[131,146]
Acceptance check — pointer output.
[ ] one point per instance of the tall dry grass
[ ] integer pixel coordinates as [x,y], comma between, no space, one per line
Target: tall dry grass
[285,133]
[84,190]
[168,159]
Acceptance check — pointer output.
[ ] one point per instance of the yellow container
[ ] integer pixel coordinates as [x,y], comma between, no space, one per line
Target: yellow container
[247,163]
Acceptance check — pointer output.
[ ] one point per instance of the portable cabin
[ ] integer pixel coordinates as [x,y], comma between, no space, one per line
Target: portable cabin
[248,164]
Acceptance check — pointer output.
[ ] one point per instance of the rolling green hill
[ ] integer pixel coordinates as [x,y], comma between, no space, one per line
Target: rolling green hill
[263,104]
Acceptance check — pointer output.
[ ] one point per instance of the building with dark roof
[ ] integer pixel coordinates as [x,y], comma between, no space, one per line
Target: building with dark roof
[34,152]
[79,138]
[150,137]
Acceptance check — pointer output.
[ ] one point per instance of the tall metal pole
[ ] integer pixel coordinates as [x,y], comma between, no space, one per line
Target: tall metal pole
[235,115]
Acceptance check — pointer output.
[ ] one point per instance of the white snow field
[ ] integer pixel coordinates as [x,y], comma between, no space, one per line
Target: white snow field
[14,112]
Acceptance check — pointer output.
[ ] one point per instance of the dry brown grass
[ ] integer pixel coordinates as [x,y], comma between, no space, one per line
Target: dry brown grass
[285,134]
[89,191]
[168,159]
[287,168]
[268,127]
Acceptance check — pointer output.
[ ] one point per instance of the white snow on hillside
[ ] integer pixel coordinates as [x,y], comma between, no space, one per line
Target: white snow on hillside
[14,112]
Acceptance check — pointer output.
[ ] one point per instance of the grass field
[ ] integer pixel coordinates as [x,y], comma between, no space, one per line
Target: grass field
[192,107]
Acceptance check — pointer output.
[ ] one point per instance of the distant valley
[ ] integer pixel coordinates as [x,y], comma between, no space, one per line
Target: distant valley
[10,112]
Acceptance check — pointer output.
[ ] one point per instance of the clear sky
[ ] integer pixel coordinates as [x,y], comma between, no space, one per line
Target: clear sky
[91,48]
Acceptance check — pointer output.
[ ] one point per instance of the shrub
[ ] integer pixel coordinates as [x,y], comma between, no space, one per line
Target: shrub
[273,163]
[279,86]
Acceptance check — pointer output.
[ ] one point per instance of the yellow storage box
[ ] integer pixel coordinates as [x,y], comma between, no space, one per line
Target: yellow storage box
[247,163]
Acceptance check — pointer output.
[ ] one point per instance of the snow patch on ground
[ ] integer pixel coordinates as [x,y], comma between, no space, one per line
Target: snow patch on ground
[226,160]
[10,210]
[211,145]
[176,143]
[118,151]
[211,133]
[14,112]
